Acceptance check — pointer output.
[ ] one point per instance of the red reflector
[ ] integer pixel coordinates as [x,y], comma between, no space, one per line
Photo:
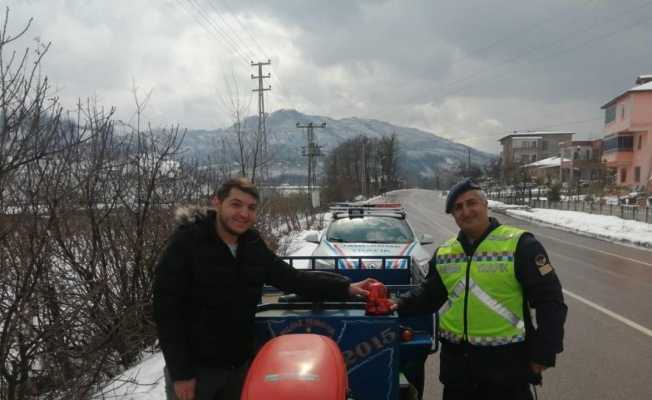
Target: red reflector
[407,335]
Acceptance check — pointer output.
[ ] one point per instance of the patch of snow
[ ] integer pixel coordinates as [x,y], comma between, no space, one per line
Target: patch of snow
[605,227]
[144,381]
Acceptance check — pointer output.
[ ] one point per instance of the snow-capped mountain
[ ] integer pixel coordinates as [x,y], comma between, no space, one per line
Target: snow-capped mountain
[422,153]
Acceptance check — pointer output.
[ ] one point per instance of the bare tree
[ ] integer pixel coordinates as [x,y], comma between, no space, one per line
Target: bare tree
[362,166]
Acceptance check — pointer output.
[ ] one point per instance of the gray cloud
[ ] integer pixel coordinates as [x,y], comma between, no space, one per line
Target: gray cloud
[468,70]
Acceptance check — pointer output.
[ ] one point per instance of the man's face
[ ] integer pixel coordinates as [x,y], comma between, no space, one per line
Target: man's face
[471,213]
[237,212]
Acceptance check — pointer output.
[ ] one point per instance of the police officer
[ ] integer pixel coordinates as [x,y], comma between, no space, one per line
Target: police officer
[484,282]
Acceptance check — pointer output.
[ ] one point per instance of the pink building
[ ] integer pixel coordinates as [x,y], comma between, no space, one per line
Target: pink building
[627,144]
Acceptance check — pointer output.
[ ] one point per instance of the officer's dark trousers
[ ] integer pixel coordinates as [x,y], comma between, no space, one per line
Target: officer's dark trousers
[487,391]
[213,383]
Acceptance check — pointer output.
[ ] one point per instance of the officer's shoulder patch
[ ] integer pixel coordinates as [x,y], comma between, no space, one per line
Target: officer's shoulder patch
[545,269]
[540,260]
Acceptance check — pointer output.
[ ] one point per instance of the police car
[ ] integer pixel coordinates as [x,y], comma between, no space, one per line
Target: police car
[369,236]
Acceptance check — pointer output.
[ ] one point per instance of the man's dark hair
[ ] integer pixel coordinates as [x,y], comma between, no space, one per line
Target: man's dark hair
[242,184]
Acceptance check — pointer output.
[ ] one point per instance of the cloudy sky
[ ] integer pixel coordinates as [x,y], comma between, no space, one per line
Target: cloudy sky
[470,71]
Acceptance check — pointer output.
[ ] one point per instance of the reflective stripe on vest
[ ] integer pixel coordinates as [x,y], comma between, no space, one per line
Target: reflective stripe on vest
[495,299]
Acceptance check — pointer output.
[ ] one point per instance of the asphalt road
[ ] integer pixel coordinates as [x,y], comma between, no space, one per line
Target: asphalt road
[608,290]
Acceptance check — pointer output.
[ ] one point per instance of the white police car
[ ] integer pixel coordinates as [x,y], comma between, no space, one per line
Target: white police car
[370,236]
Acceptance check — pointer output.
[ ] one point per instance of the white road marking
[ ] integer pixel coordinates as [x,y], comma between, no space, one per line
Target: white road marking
[603,271]
[592,249]
[610,313]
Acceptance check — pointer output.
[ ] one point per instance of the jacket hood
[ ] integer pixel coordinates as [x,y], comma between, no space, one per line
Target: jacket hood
[187,215]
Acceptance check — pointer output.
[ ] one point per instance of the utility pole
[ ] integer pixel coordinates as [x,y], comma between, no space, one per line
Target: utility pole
[363,171]
[262,131]
[312,151]
[468,161]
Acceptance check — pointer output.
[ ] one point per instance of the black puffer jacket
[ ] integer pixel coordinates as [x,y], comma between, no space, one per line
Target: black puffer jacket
[205,299]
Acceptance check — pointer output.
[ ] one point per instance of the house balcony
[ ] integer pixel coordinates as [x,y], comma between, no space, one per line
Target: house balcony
[618,158]
[618,150]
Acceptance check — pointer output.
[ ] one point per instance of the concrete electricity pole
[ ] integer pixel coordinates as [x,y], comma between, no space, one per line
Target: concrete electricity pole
[312,151]
[468,162]
[262,131]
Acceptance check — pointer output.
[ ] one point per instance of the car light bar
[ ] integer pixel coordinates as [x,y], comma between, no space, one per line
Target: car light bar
[360,210]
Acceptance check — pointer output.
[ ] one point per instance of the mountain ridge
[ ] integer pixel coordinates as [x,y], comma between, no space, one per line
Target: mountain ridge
[423,153]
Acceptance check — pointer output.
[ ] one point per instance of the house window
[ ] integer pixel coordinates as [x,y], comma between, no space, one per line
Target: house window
[534,157]
[622,112]
[588,154]
[618,143]
[610,114]
[525,158]
[637,174]
[623,175]
[640,141]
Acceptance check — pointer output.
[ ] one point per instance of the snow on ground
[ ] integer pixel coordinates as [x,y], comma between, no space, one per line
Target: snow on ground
[142,382]
[593,225]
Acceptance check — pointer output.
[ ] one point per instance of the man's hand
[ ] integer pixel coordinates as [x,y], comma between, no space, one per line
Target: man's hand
[394,305]
[537,368]
[361,288]
[185,390]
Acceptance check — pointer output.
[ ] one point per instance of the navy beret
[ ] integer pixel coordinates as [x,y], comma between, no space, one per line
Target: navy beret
[457,190]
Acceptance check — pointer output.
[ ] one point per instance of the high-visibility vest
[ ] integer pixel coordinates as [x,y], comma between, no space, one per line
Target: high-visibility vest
[486,285]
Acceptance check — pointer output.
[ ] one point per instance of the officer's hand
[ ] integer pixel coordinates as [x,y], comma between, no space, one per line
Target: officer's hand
[361,288]
[185,390]
[537,368]
[394,304]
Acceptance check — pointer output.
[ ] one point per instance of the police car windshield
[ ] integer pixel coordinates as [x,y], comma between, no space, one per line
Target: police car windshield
[370,230]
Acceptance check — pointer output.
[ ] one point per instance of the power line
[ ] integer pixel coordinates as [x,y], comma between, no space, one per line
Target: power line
[251,54]
[244,28]
[553,46]
[237,44]
[275,76]
[511,35]
[182,5]
[217,32]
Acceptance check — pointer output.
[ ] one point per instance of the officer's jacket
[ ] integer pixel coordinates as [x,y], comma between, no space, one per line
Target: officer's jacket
[486,358]
[205,299]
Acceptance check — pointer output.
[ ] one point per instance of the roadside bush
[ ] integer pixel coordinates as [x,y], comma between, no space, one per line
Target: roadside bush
[554,193]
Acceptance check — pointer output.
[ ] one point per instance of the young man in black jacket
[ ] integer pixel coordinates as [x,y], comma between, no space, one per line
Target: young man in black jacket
[483,283]
[207,286]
